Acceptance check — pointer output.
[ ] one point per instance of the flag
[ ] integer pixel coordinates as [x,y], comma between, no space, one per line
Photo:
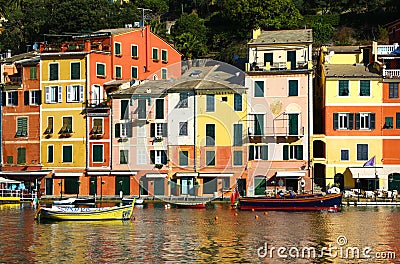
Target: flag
[370,162]
[235,194]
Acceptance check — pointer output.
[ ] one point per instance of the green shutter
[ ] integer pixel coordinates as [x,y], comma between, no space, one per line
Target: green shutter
[335,121]
[285,152]
[100,69]
[372,121]
[32,73]
[293,124]
[293,88]
[50,154]
[183,158]
[97,153]
[53,72]
[251,152]
[259,124]
[397,120]
[159,109]
[134,51]
[75,71]
[264,152]
[237,134]
[358,121]
[21,156]
[258,88]
[351,121]
[124,109]
[299,152]
[237,158]
[117,130]
[67,153]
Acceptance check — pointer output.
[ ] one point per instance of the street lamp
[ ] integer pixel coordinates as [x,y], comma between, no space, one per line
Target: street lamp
[77,192]
[121,193]
[274,183]
[60,184]
[101,189]
[358,192]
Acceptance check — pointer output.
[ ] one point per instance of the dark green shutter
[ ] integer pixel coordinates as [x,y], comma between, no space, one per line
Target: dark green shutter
[293,124]
[159,109]
[124,109]
[164,157]
[397,120]
[97,153]
[129,127]
[26,97]
[3,98]
[285,152]
[164,129]
[21,156]
[152,156]
[15,98]
[358,121]
[152,130]
[351,120]
[335,121]
[264,152]
[251,152]
[293,88]
[67,154]
[75,71]
[237,134]
[372,121]
[117,130]
[299,152]
[50,154]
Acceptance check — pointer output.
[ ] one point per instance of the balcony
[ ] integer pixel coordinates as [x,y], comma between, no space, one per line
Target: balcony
[277,66]
[386,49]
[391,73]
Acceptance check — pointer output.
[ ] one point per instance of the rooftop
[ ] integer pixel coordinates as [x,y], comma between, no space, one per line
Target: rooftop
[350,71]
[283,37]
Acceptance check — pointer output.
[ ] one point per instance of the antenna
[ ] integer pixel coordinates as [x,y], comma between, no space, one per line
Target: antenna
[143,9]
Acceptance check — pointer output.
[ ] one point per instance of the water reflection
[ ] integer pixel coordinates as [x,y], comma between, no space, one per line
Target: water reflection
[159,235]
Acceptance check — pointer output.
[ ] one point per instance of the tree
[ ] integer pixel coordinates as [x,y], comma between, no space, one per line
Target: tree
[190,46]
[190,23]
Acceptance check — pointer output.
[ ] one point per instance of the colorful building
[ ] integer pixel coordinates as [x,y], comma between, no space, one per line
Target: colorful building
[280,112]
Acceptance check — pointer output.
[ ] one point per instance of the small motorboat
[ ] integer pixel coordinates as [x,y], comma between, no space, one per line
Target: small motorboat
[190,205]
[128,201]
[75,201]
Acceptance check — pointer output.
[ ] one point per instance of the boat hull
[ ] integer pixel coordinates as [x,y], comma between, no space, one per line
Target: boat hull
[10,200]
[190,206]
[329,202]
[85,214]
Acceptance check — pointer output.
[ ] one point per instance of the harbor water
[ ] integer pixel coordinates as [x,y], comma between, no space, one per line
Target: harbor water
[216,234]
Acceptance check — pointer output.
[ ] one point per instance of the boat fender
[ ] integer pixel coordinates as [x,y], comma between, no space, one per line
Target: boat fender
[302,183]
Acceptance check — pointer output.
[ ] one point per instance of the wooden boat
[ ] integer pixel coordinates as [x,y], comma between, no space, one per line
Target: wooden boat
[328,202]
[128,201]
[75,201]
[190,205]
[10,200]
[87,214]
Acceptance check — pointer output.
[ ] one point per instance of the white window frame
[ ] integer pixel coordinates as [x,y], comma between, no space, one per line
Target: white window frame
[53,94]
[102,123]
[115,48]
[343,121]
[158,156]
[292,152]
[141,156]
[10,97]
[158,129]
[152,53]
[75,90]
[97,94]
[257,151]
[164,73]
[105,69]
[33,99]
[365,121]
[123,130]
[102,153]
[137,72]
[166,52]
[348,153]
[137,51]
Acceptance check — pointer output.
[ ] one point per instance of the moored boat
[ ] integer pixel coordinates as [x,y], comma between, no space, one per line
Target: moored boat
[88,214]
[128,201]
[328,202]
[75,201]
[190,205]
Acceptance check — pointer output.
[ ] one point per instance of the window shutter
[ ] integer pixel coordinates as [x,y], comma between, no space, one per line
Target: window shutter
[264,152]
[152,130]
[372,121]
[293,88]
[59,94]
[251,152]
[237,134]
[164,130]
[299,152]
[398,120]
[164,157]
[358,121]
[69,93]
[160,109]
[26,97]
[285,152]
[152,156]
[129,129]
[335,121]
[15,99]
[117,130]
[39,96]
[47,94]
[81,95]
[351,120]
[3,98]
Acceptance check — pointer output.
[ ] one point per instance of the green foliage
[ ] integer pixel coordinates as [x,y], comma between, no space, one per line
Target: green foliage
[190,46]
[322,32]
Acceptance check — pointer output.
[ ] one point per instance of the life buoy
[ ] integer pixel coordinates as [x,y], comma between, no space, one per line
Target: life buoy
[302,183]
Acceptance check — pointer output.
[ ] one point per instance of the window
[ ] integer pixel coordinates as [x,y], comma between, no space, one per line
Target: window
[237,157]
[141,130]
[183,128]
[67,125]
[158,156]
[164,55]
[362,152]
[34,97]
[365,88]
[67,154]
[118,72]
[344,88]
[21,159]
[258,88]
[134,72]
[210,103]
[97,126]
[183,158]
[293,124]
[158,130]
[183,100]
[12,98]
[343,121]
[393,90]
[397,120]
[293,152]
[32,73]
[259,124]
[49,129]
[53,71]
[164,73]
[97,94]
[74,93]
[22,127]
[238,104]
[237,134]
[293,87]
[53,94]
[159,108]
[50,153]
[258,152]
[98,153]
[123,130]
[388,123]
[10,160]
[210,134]
[134,51]
[100,69]
[141,156]
[260,185]
[210,158]
[123,156]
[141,109]
[344,154]
[365,121]
[117,49]
[75,70]
[124,114]
[155,54]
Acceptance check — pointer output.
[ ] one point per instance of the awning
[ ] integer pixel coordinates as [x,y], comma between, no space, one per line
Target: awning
[186,174]
[98,173]
[123,173]
[68,174]
[216,175]
[290,174]
[4,180]
[365,172]
[25,175]
[156,175]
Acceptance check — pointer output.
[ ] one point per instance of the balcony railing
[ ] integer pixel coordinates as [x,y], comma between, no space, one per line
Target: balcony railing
[278,66]
[97,104]
[387,49]
[391,73]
